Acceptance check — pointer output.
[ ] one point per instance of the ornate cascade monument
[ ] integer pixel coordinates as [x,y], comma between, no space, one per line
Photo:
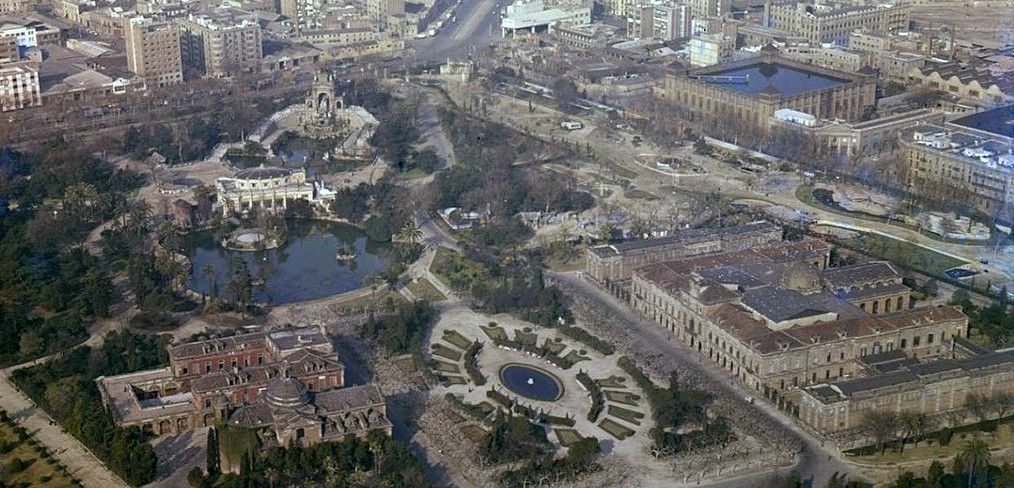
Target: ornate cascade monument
[326,116]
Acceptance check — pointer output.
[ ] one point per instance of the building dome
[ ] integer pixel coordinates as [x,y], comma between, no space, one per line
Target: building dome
[262,173]
[286,393]
[802,277]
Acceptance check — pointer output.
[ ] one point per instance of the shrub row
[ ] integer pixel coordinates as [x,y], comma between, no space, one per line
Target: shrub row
[598,399]
[471,366]
[579,334]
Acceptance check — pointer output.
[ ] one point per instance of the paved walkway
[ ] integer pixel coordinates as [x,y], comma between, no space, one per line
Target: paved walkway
[80,462]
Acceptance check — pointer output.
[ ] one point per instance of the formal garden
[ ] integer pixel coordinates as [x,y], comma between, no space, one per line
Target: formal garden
[572,388]
[25,462]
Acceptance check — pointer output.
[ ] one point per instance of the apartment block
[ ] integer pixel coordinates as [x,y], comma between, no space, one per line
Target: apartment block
[19,87]
[221,44]
[153,50]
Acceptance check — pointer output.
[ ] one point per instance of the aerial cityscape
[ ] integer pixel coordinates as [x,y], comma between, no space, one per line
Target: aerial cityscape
[507,243]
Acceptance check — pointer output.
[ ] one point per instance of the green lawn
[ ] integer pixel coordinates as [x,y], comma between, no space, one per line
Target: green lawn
[455,270]
[425,290]
[623,397]
[638,194]
[616,430]
[36,469]
[631,416]
[904,253]
[458,340]
[445,367]
[495,333]
[612,382]
[573,356]
[553,346]
[446,352]
[527,338]
[567,436]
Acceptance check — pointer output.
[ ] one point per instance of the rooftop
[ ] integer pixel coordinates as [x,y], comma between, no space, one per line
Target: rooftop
[999,121]
[771,78]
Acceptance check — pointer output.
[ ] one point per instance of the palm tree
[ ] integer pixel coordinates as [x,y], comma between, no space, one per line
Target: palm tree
[272,475]
[974,456]
[410,232]
[208,271]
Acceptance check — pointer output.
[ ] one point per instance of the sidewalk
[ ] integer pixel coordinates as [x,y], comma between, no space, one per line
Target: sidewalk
[80,462]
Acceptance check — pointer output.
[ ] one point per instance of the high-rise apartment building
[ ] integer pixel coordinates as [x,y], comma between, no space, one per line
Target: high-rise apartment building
[153,50]
[662,21]
[220,44]
[710,8]
[19,87]
[380,10]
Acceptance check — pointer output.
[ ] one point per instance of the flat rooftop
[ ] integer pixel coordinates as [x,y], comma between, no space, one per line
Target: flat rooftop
[999,121]
[771,77]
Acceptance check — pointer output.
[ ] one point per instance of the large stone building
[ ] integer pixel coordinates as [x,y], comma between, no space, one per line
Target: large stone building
[823,21]
[153,50]
[898,383]
[612,265]
[852,138]
[287,383]
[778,319]
[221,44]
[968,161]
[19,87]
[751,90]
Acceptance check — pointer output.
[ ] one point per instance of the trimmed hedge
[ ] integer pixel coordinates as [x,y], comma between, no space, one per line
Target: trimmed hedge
[598,399]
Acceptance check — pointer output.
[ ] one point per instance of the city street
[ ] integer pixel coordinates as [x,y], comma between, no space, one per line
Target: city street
[477,25]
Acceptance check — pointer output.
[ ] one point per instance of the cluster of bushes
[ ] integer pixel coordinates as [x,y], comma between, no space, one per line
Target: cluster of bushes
[65,388]
[598,398]
[536,350]
[514,438]
[471,366]
[579,334]
[376,460]
[403,330]
[580,460]
[516,285]
[499,398]
[489,180]
[674,406]
[52,288]
[972,466]
[548,419]
[474,411]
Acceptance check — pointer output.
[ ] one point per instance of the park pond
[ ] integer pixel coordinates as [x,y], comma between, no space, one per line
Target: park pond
[305,267]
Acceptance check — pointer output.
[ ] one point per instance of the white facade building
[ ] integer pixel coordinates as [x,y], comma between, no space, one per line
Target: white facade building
[268,187]
[19,87]
[533,16]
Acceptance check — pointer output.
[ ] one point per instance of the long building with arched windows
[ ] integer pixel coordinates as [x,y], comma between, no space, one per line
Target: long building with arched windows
[268,187]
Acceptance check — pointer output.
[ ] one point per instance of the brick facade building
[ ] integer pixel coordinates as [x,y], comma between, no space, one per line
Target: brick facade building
[259,380]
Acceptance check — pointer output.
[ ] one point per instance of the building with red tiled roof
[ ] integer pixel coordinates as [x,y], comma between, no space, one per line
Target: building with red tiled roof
[287,381]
